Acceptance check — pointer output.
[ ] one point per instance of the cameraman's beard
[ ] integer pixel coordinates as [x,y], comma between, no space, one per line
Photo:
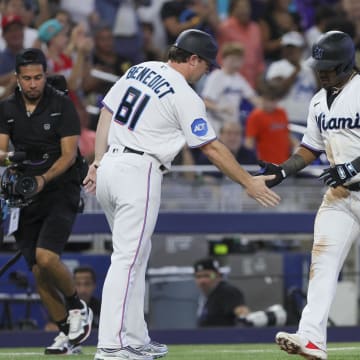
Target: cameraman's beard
[32,97]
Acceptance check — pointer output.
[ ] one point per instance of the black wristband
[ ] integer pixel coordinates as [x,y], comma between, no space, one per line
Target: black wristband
[356,164]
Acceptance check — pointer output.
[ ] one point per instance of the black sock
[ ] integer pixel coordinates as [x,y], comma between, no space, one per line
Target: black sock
[63,326]
[73,302]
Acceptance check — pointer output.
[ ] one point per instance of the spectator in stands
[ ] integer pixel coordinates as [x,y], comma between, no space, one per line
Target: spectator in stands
[21,8]
[231,135]
[151,52]
[81,11]
[121,16]
[221,304]
[150,12]
[85,284]
[103,58]
[239,27]
[13,34]
[53,34]
[267,129]
[323,13]
[276,22]
[180,15]
[65,18]
[295,81]
[225,88]
[351,11]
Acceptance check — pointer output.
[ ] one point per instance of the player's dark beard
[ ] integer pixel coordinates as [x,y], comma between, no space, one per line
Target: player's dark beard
[342,82]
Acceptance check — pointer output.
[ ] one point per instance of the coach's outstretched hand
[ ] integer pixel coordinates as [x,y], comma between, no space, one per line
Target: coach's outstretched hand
[258,190]
[268,168]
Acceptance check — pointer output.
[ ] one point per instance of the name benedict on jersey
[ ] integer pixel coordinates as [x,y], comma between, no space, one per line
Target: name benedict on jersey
[337,122]
[152,79]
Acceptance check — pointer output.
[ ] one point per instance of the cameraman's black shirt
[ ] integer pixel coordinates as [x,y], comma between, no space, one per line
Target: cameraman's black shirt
[219,307]
[39,134]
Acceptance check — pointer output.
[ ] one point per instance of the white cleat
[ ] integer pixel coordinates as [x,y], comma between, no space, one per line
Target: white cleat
[155,349]
[80,321]
[126,352]
[293,344]
[61,346]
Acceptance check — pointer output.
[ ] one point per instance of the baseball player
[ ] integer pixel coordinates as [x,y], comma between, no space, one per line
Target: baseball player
[147,117]
[333,126]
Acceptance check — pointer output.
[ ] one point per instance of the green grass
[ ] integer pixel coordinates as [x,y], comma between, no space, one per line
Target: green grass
[338,351]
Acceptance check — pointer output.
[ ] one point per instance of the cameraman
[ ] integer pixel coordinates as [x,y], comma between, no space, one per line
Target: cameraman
[43,123]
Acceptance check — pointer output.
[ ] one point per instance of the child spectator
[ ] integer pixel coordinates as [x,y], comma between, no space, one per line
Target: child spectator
[267,128]
[225,88]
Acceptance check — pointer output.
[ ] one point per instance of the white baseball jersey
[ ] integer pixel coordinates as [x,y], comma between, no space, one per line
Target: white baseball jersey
[336,131]
[154,115]
[337,222]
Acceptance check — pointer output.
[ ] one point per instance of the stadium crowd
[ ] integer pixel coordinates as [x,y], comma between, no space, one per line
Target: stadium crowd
[262,43]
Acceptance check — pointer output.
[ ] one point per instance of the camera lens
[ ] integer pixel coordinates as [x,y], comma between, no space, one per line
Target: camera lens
[26,185]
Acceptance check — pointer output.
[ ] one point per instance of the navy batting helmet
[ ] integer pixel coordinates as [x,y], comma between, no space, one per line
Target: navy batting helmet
[334,50]
[199,43]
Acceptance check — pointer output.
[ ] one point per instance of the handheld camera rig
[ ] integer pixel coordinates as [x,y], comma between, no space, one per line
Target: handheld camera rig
[16,188]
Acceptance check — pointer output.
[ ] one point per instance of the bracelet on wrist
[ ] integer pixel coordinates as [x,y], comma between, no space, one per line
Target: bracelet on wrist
[44,179]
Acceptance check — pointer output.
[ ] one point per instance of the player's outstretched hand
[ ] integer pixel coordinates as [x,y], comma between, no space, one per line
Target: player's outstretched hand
[261,193]
[90,180]
[267,168]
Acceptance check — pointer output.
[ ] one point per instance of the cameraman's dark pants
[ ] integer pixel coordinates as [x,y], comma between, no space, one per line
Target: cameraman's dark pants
[47,222]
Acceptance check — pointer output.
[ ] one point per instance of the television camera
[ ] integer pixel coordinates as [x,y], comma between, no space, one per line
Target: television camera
[16,188]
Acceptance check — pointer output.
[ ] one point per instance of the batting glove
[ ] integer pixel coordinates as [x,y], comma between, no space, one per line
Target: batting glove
[338,174]
[271,169]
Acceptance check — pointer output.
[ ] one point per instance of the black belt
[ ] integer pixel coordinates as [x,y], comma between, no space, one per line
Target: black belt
[130,150]
[138,152]
[354,186]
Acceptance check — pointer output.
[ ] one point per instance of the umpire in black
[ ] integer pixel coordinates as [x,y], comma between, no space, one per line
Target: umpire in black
[43,123]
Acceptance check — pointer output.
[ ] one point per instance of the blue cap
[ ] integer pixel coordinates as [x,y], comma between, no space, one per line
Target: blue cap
[49,29]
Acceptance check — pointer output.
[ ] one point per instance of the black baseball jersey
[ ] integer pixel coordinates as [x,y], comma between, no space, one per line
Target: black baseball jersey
[220,305]
[39,134]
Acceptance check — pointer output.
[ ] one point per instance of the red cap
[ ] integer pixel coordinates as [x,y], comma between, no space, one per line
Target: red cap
[8,20]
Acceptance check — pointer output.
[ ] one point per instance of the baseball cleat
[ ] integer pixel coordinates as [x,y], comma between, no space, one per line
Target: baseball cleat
[293,344]
[61,346]
[126,352]
[155,349]
[80,321]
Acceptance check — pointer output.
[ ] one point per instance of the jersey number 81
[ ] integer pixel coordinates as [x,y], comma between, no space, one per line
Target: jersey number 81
[131,107]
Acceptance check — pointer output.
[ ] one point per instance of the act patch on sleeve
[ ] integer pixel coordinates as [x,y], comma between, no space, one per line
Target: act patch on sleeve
[199,127]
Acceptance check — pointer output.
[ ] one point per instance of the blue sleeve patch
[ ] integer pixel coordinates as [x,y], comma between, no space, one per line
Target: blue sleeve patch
[199,127]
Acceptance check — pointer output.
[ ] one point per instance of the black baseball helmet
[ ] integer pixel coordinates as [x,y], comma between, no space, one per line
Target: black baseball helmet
[334,50]
[199,43]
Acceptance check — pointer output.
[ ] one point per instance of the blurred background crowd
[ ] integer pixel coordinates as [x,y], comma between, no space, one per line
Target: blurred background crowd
[260,95]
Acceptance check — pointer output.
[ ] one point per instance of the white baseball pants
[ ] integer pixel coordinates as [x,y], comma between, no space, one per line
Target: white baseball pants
[336,227]
[129,191]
